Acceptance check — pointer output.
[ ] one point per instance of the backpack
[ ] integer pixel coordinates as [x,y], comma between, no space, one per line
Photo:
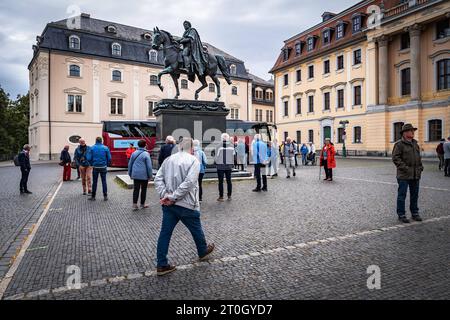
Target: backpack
[16,160]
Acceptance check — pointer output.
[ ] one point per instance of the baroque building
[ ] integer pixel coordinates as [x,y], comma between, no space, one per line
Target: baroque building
[85,71]
[359,75]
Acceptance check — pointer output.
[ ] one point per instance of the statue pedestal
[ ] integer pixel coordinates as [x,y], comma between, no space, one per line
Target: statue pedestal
[201,120]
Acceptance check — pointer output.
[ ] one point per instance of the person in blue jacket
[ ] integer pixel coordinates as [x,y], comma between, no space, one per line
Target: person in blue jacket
[140,170]
[304,152]
[260,160]
[99,157]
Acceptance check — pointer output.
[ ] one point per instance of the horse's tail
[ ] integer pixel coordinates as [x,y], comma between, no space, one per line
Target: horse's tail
[223,68]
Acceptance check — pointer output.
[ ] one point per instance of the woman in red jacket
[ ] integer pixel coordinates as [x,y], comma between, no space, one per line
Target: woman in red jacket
[327,159]
[130,151]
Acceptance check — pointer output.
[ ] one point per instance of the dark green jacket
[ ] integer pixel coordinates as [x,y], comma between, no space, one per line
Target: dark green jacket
[407,159]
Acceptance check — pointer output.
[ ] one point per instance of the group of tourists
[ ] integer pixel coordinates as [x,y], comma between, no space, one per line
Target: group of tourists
[182,167]
[90,162]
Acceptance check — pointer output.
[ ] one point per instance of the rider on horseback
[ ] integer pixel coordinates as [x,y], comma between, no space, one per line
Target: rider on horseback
[194,56]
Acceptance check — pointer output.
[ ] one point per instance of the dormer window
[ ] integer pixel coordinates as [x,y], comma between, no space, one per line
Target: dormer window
[116,49]
[147,36]
[326,35]
[111,29]
[357,23]
[153,56]
[233,69]
[310,43]
[298,48]
[285,54]
[74,42]
[340,30]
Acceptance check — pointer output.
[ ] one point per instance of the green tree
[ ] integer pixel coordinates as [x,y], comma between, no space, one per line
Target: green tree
[14,122]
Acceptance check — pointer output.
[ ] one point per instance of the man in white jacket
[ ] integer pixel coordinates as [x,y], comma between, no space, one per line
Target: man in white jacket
[177,185]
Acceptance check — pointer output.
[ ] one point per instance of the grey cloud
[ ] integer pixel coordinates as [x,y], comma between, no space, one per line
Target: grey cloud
[252,31]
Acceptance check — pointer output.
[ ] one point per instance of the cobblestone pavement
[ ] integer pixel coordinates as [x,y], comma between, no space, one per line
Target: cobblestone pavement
[305,238]
[16,210]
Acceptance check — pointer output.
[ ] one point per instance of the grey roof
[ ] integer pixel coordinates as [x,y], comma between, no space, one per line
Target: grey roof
[260,81]
[97,41]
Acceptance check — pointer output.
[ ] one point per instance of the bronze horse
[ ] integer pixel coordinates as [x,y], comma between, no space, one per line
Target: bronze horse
[174,66]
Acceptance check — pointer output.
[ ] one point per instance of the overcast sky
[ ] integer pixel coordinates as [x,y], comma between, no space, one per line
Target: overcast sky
[251,30]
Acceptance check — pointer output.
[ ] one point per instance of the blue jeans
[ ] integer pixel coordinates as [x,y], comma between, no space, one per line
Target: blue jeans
[95,174]
[171,216]
[304,158]
[413,195]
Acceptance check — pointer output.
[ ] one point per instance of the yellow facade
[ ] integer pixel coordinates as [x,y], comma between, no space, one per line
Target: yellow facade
[375,117]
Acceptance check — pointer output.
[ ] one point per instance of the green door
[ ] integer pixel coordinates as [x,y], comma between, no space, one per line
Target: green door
[326,132]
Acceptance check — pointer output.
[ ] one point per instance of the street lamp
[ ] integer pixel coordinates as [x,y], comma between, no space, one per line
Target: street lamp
[343,124]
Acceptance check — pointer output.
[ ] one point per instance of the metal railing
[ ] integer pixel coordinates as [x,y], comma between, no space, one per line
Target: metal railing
[403,7]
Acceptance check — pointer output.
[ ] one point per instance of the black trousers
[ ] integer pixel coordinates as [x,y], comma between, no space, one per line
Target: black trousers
[24,180]
[447,167]
[140,186]
[328,171]
[258,176]
[200,181]
[227,174]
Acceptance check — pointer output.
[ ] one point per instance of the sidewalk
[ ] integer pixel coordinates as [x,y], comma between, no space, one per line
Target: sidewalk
[424,159]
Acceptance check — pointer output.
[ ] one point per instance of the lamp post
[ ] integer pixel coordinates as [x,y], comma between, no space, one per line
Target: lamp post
[343,124]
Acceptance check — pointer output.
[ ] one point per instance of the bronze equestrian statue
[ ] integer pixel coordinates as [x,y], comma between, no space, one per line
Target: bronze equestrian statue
[193,59]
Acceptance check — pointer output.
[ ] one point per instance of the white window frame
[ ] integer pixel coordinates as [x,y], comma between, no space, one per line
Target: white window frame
[70,42]
[233,70]
[74,64]
[75,103]
[121,75]
[112,49]
[117,105]
[150,52]
[353,133]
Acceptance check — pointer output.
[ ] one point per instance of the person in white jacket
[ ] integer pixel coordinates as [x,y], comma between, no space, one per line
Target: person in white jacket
[177,185]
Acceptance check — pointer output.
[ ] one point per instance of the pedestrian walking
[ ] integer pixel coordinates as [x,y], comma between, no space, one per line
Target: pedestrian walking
[66,160]
[130,151]
[25,168]
[304,153]
[295,152]
[241,155]
[140,170]
[446,148]
[289,151]
[440,154]
[99,158]
[166,150]
[177,185]
[327,159]
[406,157]
[80,157]
[201,157]
[259,150]
[224,162]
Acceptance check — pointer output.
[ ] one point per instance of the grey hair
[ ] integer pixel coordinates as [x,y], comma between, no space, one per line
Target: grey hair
[170,139]
[225,137]
[186,144]
[196,143]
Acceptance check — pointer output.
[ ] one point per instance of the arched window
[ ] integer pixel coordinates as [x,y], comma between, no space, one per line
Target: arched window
[74,42]
[212,87]
[233,70]
[153,80]
[397,131]
[443,74]
[184,84]
[234,90]
[116,75]
[153,56]
[74,70]
[116,49]
[434,130]
[269,95]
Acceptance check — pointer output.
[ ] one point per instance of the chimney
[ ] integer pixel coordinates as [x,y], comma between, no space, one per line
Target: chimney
[85,15]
